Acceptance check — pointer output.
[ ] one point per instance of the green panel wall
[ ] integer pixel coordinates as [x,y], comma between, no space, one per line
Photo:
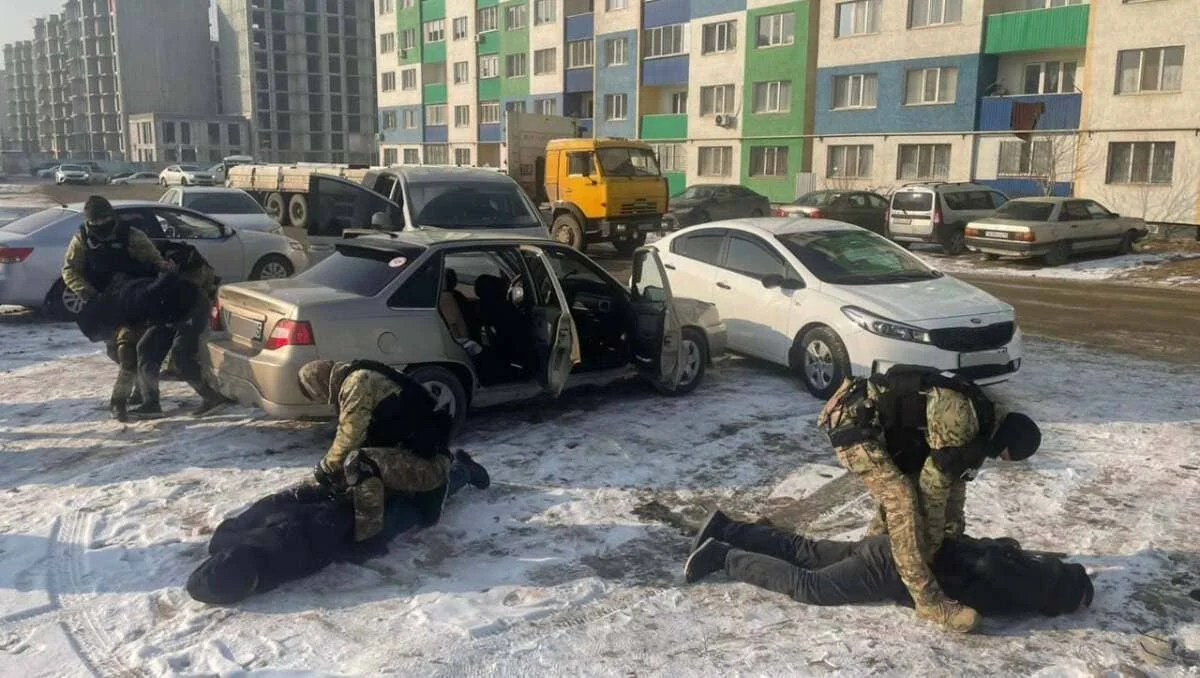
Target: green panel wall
[406,19]
[1055,28]
[514,42]
[433,9]
[778,189]
[434,52]
[676,182]
[489,43]
[434,94]
[489,89]
[664,126]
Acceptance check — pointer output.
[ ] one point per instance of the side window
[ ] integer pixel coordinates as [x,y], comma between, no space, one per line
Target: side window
[1074,211]
[580,163]
[422,288]
[1097,210]
[723,193]
[750,256]
[877,202]
[337,205]
[704,246]
[998,199]
[185,226]
[142,222]
[648,285]
[483,276]
[979,200]
[570,266]
[955,201]
[858,201]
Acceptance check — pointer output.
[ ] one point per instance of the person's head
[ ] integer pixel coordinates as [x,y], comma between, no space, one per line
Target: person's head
[99,215]
[316,381]
[1017,437]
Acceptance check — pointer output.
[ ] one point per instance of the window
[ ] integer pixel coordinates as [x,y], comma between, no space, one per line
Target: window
[579,164]
[435,154]
[462,156]
[776,29]
[387,43]
[545,61]
[462,72]
[543,11]
[214,134]
[934,12]
[613,5]
[435,31]
[718,37]
[516,16]
[546,106]
[1158,69]
[924,161]
[768,161]
[515,107]
[489,112]
[1026,158]
[855,91]
[750,256]
[408,39]
[388,120]
[409,118]
[702,246]
[1050,77]
[387,81]
[387,6]
[579,54]
[435,114]
[616,51]
[716,161]
[679,103]
[930,86]
[857,18]
[489,66]
[664,41]
[235,135]
[516,65]
[422,288]
[458,28]
[462,116]
[485,19]
[168,132]
[408,79]
[773,97]
[616,107]
[1149,162]
[849,162]
[717,100]
[407,4]
[412,156]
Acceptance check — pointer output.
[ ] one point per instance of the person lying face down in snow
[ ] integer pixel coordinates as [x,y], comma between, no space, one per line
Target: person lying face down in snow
[993,576]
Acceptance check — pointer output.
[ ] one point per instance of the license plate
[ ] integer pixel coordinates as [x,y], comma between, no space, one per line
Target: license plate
[245,327]
[974,359]
[901,220]
[996,234]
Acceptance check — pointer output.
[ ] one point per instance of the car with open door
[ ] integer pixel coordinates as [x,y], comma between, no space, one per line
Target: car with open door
[477,319]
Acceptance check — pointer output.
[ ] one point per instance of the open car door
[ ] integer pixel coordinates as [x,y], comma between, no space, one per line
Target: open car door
[336,205]
[554,333]
[658,334]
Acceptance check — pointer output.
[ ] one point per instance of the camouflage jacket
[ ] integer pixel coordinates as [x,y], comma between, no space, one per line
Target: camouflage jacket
[141,249]
[360,394]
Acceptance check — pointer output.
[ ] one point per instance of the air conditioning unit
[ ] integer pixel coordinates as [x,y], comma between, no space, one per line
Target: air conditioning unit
[403,54]
[724,121]
[479,37]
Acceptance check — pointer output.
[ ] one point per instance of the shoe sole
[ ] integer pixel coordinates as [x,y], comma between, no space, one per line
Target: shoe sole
[687,564]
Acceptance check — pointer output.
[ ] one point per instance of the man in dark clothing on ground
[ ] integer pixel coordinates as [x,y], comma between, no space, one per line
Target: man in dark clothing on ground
[992,576]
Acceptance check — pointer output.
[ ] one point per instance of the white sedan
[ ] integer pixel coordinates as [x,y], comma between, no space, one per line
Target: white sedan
[829,300]
[186,175]
[136,179]
[32,250]
[232,206]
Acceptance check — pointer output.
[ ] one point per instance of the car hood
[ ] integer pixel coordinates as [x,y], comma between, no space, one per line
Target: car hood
[257,222]
[940,298]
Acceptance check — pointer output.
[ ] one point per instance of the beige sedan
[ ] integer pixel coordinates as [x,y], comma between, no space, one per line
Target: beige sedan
[1054,229]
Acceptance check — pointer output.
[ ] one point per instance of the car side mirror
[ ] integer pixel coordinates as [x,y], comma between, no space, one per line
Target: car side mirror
[225,232]
[380,220]
[792,284]
[772,280]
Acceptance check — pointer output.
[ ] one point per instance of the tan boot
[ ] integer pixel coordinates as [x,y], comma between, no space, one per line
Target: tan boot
[950,615]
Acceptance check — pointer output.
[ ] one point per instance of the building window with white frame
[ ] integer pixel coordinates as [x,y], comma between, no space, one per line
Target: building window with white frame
[717,100]
[768,161]
[462,116]
[387,81]
[849,161]
[462,72]
[435,154]
[544,11]
[546,106]
[719,37]
[616,107]
[934,12]
[489,66]
[616,52]
[614,5]
[1156,69]
[387,43]
[671,157]
[930,86]
[515,107]
[545,61]
[435,114]
[387,7]
[408,39]
[516,16]
[923,162]
[1050,77]
[412,156]
[1143,162]
[858,17]
[775,30]
[679,102]
[516,65]
[580,54]
[663,41]
[408,117]
[390,156]
[1032,158]
[772,97]
[389,120]
[408,79]
[855,91]
[715,161]
[459,28]
[485,19]
[462,157]
[435,31]
[489,112]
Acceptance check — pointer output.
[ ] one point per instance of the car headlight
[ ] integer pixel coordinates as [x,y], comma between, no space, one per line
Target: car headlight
[886,328]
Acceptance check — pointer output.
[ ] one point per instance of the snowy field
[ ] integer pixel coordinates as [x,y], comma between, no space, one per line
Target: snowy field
[570,564]
[1126,267]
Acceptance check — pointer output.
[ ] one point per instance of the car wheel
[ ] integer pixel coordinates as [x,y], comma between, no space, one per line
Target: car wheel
[183,181]
[62,303]
[568,231]
[695,363]
[1058,254]
[990,257]
[446,390]
[272,267]
[955,242]
[822,361]
[1127,241]
[756,213]
[627,246]
[162,182]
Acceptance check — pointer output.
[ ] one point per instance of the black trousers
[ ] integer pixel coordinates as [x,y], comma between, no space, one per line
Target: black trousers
[182,342]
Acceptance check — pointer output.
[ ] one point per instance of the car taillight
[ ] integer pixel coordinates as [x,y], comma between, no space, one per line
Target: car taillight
[937,216]
[14,255]
[1025,236]
[816,214]
[290,333]
[214,318]
[780,213]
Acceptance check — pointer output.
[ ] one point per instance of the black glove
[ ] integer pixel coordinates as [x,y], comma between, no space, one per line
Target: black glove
[963,462]
[329,478]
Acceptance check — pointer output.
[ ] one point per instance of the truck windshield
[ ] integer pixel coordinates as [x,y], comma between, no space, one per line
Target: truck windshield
[627,162]
[464,205]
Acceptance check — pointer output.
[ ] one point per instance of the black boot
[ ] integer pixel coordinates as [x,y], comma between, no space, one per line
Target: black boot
[135,398]
[210,399]
[707,559]
[150,409]
[714,528]
[477,475]
[117,407]
[225,578]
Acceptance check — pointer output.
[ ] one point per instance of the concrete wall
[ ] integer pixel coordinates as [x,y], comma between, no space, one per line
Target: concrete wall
[885,170]
[164,57]
[896,39]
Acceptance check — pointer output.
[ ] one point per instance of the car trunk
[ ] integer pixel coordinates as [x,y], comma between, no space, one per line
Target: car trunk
[912,213]
[249,315]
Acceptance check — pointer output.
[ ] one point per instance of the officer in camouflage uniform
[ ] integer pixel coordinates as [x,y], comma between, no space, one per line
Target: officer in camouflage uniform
[389,439]
[938,429]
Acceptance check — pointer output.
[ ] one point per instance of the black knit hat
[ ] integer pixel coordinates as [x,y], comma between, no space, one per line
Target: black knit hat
[98,209]
[1019,435]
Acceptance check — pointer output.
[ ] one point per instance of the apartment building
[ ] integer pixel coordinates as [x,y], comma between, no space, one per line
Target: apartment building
[21,121]
[303,73]
[671,72]
[169,138]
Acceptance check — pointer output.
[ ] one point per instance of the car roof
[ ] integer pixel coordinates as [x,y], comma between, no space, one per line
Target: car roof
[430,173]
[433,237]
[78,206]
[778,225]
[944,185]
[209,189]
[1051,199]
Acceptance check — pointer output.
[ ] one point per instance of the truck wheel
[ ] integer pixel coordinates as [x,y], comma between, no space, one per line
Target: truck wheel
[298,210]
[274,207]
[568,231]
[626,246]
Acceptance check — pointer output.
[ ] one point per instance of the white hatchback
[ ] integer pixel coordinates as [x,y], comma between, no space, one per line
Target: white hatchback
[829,300]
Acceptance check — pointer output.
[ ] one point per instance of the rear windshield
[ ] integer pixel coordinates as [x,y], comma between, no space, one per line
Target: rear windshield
[855,258]
[492,204]
[1026,211]
[817,199]
[360,270]
[912,201]
[222,203]
[27,225]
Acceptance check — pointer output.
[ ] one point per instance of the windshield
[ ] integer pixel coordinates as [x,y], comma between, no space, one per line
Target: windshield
[1019,210]
[855,258]
[190,168]
[627,162]
[222,203]
[71,168]
[817,199]
[912,201]
[695,193]
[492,204]
[360,270]
[27,225]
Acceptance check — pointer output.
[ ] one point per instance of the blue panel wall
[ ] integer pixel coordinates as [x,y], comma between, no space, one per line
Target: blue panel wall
[436,134]
[665,71]
[572,105]
[890,115]
[667,12]
[1061,112]
[490,132]
[578,80]
[401,135]
[558,102]
[704,8]
[620,79]
[579,27]
[1015,187]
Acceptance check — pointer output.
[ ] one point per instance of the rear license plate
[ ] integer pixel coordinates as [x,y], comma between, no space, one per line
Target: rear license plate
[901,220]
[245,327]
[996,234]
[996,357]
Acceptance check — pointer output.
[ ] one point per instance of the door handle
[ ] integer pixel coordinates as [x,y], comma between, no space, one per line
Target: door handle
[724,286]
[669,266]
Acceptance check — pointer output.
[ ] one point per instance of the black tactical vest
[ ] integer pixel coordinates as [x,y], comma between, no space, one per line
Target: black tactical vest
[105,258]
[403,419]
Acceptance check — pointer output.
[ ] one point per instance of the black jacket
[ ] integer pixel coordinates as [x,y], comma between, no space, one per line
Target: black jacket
[128,302]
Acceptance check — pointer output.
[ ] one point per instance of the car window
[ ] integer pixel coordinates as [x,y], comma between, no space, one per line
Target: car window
[854,257]
[1097,210]
[857,201]
[1026,210]
[37,221]
[876,202]
[703,246]
[912,201]
[1074,210]
[968,200]
[817,199]
[422,287]
[695,193]
[998,199]
[221,203]
[628,162]
[187,226]
[142,221]
[336,205]
[648,284]
[458,204]
[570,266]
[484,275]
[360,270]
[723,194]
[750,256]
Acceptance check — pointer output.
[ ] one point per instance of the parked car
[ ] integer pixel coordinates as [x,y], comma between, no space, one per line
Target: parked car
[135,179]
[938,212]
[72,174]
[548,318]
[707,202]
[829,300]
[232,206]
[44,171]
[861,208]
[1053,228]
[185,175]
[32,250]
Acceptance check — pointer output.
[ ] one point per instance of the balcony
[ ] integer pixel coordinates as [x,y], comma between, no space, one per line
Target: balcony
[666,126]
[580,27]
[1030,111]
[434,93]
[1037,29]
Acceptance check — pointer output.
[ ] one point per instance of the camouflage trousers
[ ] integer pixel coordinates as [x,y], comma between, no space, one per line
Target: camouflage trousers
[125,343]
[372,473]
[956,521]
[892,490]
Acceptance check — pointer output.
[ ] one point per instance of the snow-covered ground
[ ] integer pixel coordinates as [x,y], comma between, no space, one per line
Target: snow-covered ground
[570,563]
[1115,268]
